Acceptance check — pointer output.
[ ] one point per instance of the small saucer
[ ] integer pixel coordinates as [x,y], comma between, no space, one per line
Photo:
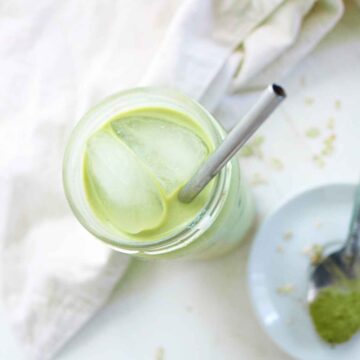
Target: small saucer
[279,267]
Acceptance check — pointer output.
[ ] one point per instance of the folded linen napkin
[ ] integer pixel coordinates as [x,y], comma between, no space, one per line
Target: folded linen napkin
[54,276]
[217,48]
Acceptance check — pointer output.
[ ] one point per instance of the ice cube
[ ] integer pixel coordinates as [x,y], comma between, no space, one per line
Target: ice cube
[172,152]
[119,186]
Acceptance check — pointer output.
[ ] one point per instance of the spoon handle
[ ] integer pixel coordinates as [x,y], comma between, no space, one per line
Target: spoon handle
[352,243]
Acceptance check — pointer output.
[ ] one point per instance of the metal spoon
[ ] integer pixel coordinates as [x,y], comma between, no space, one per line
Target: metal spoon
[340,265]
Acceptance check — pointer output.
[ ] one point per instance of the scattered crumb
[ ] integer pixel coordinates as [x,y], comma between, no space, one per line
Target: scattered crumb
[312,133]
[280,249]
[276,164]
[338,104]
[331,123]
[285,289]
[288,235]
[316,256]
[318,161]
[258,140]
[253,148]
[315,253]
[330,139]
[257,180]
[328,148]
[160,353]
[189,309]
[247,151]
[309,100]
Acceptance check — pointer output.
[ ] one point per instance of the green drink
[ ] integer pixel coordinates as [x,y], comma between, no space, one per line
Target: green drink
[125,164]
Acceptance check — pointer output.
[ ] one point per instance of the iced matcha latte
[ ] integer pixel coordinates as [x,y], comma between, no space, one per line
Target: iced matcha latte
[125,164]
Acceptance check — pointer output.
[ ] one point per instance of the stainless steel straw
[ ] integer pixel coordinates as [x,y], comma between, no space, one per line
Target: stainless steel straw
[237,137]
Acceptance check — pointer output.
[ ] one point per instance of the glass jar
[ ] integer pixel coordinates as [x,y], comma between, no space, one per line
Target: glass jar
[222,223]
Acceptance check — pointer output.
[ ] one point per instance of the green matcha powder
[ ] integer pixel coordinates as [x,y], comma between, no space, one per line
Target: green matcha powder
[336,314]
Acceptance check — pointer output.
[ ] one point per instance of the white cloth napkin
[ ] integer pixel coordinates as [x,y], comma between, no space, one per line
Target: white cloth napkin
[222,47]
[54,276]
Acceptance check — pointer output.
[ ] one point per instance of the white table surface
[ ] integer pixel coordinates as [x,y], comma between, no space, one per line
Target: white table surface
[201,310]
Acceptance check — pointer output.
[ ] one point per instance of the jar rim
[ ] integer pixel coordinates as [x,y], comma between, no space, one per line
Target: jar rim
[103,111]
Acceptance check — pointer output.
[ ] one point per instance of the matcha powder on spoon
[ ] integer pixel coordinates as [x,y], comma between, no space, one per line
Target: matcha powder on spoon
[336,314]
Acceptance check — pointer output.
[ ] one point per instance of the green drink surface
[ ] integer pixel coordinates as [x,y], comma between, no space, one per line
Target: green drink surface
[135,165]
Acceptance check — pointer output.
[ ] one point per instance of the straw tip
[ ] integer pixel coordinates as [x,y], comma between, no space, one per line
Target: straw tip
[278,90]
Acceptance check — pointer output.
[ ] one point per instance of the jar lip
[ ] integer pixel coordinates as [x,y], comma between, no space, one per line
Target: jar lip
[185,234]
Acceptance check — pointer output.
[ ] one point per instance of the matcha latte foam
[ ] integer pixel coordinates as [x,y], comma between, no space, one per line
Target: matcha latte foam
[125,163]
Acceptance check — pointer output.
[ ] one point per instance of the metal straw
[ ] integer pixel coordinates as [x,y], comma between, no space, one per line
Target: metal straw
[237,137]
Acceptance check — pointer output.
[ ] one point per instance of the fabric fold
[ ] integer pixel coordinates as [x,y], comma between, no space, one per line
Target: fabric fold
[259,45]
